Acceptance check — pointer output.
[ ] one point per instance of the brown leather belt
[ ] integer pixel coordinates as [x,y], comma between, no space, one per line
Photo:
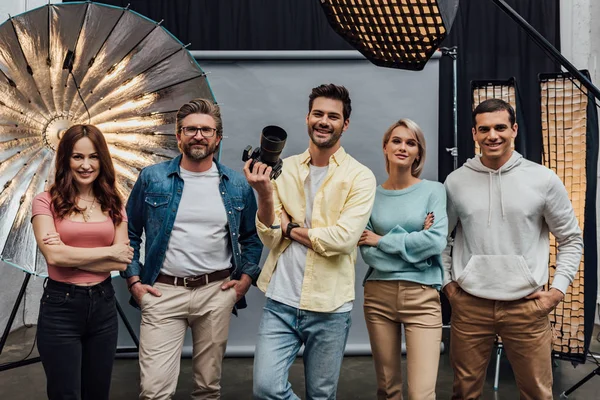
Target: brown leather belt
[194,281]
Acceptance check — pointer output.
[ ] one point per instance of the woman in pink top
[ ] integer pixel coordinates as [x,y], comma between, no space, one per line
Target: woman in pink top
[81,229]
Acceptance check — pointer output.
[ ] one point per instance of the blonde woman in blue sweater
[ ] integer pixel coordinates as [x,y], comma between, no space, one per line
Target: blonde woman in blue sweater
[402,245]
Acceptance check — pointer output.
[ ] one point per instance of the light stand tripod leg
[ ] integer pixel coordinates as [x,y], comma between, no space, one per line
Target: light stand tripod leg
[11,319]
[130,330]
[497,373]
[566,393]
[13,313]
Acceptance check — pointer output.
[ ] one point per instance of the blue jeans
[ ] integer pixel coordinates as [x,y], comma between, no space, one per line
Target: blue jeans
[77,339]
[283,330]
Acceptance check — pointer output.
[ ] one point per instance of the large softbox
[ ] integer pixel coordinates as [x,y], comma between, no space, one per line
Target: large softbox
[392,33]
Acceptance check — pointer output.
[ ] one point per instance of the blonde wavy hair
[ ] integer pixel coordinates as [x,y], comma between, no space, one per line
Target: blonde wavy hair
[412,126]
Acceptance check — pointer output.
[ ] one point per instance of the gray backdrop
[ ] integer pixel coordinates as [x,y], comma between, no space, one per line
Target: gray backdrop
[253,94]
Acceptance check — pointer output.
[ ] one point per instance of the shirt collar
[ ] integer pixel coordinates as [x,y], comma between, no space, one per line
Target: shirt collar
[174,167]
[338,157]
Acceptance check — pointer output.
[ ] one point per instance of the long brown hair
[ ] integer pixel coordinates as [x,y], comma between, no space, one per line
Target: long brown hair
[64,191]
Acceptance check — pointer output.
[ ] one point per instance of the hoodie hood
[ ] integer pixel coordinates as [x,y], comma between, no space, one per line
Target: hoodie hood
[475,164]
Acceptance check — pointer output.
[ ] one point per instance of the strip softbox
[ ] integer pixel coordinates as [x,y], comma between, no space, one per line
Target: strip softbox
[570,148]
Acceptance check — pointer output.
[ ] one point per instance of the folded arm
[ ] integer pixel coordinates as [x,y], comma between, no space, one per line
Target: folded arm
[343,237]
[100,259]
[418,246]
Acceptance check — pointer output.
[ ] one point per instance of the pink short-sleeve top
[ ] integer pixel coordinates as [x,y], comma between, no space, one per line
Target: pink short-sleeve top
[76,234]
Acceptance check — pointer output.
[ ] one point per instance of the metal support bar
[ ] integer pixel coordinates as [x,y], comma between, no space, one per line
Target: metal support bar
[452,52]
[565,394]
[129,329]
[13,313]
[20,363]
[497,373]
[281,55]
[546,45]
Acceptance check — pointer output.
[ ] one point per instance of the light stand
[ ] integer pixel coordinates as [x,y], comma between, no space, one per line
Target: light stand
[11,319]
[452,52]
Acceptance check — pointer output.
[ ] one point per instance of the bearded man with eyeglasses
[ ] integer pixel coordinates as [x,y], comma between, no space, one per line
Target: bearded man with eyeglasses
[201,255]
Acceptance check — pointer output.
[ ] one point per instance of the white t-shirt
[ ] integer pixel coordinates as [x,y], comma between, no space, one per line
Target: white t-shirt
[286,282]
[199,242]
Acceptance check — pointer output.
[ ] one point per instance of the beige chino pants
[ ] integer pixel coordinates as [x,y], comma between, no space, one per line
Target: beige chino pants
[207,311]
[388,305]
[526,335]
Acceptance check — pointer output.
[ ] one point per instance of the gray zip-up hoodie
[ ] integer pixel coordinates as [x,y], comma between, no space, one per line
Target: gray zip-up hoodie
[502,219]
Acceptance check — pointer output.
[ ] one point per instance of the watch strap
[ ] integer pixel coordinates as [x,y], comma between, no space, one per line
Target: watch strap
[290,226]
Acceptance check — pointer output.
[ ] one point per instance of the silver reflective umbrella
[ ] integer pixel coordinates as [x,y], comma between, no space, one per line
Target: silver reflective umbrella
[72,63]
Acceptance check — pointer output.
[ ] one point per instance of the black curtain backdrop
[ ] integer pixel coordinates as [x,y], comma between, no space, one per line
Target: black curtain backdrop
[242,24]
[492,46]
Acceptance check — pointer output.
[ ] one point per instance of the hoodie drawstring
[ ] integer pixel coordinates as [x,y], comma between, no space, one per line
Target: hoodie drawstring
[501,197]
[490,200]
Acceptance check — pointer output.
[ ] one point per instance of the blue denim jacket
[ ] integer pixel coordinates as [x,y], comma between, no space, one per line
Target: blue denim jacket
[152,207]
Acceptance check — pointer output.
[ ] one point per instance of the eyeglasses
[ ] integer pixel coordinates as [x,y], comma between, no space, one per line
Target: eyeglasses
[205,131]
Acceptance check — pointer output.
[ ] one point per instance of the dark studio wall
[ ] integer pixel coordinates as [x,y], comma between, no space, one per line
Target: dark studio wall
[242,24]
[492,46]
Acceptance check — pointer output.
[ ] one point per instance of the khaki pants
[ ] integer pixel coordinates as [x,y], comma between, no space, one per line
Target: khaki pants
[165,319]
[525,330]
[388,305]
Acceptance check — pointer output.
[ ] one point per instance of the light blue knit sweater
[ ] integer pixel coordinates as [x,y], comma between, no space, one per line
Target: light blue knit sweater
[406,251]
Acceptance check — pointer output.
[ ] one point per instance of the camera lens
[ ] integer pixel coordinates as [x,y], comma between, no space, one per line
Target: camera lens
[272,142]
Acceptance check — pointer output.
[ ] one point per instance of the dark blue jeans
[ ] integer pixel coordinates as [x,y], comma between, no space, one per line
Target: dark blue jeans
[77,339]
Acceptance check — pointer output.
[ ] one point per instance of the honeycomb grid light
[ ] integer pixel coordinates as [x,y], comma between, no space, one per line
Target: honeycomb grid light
[565,151]
[400,34]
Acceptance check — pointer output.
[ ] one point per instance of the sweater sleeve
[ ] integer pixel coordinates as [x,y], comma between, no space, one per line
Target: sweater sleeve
[561,219]
[376,258]
[416,247]
[452,223]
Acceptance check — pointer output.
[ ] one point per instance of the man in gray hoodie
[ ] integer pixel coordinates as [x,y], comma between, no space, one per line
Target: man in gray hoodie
[503,208]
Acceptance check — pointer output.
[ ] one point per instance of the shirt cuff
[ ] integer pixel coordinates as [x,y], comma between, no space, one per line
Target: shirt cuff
[446,280]
[314,240]
[133,269]
[262,228]
[561,283]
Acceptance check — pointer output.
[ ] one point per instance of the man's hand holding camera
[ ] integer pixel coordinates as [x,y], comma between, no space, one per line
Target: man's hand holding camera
[259,179]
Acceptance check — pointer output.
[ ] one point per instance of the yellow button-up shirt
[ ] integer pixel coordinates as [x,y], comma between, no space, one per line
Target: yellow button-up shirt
[341,210]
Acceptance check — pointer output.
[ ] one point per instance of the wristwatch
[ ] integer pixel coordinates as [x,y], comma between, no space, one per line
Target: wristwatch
[290,226]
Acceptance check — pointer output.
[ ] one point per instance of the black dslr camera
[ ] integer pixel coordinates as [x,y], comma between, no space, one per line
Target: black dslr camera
[272,141]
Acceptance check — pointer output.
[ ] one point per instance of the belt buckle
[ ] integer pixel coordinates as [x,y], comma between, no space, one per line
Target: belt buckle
[195,279]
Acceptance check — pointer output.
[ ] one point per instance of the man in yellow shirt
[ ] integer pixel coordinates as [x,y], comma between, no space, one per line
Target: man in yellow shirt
[311,219]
